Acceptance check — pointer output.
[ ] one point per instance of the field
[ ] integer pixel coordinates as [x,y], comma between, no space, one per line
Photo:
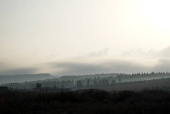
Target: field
[140,85]
[86,102]
[140,97]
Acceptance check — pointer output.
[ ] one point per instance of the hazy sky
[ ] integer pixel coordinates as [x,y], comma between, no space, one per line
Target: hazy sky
[64,37]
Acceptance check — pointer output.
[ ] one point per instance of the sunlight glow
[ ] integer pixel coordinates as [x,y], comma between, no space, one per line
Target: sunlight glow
[158,12]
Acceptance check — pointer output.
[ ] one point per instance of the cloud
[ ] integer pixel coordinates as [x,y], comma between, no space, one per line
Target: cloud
[139,53]
[109,66]
[164,53]
[102,52]
[80,68]
[1,65]
[19,71]
[162,66]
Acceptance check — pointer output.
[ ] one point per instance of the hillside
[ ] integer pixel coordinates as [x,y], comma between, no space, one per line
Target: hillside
[85,102]
[24,77]
[140,85]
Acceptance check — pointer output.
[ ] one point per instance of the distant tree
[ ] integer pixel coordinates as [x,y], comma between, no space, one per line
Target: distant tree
[119,79]
[79,83]
[100,82]
[95,82]
[112,82]
[62,86]
[87,82]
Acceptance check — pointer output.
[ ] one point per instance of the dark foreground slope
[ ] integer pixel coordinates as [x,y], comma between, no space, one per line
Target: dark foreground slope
[86,102]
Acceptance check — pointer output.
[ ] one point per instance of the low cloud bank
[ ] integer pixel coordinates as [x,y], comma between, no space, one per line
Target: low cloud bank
[80,68]
[73,68]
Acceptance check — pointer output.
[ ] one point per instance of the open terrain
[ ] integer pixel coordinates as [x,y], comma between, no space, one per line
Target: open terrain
[140,85]
[86,102]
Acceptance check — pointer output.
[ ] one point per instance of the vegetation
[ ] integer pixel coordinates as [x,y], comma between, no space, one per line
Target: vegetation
[142,76]
[86,102]
[23,77]
[90,81]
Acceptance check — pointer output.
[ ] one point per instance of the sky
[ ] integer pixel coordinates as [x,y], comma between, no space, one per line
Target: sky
[72,37]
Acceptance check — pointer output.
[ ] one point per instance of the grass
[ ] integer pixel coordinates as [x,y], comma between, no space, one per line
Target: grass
[86,102]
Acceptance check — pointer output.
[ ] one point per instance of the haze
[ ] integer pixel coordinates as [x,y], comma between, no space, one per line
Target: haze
[65,37]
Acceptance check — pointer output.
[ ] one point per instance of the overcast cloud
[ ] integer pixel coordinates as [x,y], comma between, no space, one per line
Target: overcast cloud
[80,68]
[64,37]
[85,66]
[114,66]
